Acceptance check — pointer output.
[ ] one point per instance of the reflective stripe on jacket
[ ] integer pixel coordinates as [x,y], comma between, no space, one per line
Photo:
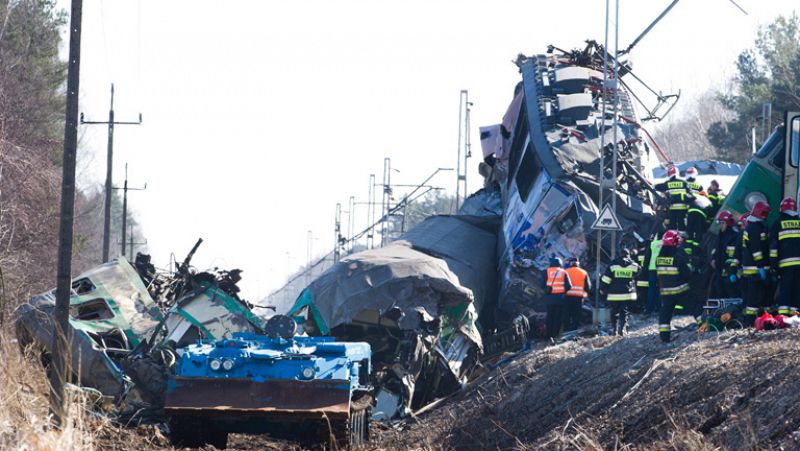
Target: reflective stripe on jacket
[578,278]
[556,278]
[784,249]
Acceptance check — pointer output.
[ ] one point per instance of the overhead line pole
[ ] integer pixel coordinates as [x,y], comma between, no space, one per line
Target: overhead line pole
[125,189]
[109,169]
[61,350]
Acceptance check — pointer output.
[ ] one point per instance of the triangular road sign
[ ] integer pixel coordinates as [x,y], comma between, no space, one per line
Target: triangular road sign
[607,220]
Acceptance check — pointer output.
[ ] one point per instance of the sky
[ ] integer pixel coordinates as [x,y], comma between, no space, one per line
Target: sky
[259,116]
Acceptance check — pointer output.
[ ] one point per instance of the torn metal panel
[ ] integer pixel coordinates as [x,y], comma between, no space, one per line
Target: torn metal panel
[551,194]
[416,302]
[122,339]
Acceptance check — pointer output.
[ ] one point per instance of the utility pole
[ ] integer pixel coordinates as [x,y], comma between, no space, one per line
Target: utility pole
[371,212]
[125,189]
[351,224]
[387,198]
[131,243]
[464,146]
[109,166]
[61,350]
[337,233]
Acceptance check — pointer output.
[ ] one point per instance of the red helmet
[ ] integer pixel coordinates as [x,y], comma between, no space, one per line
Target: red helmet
[691,172]
[788,204]
[743,220]
[671,238]
[761,210]
[726,217]
[672,171]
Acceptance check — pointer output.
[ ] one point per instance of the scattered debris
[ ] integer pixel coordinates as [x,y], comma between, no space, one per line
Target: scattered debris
[129,325]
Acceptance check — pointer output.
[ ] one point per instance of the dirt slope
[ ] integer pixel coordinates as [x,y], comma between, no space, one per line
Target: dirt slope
[736,390]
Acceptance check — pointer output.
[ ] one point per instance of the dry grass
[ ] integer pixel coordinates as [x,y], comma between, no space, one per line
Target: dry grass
[24,421]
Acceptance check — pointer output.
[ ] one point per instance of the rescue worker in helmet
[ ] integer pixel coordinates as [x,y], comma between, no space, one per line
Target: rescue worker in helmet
[618,289]
[678,195]
[573,300]
[723,256]
[784,254]
[674,269]
[691,180]
[697,218]
[755,261]
[556,284]
[642,278]
[716,196]
[736,264]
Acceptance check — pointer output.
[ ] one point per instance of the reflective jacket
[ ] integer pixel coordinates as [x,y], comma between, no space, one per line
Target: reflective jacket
[784,249]
[619,281]
[557,281]
[673,269]
[725,253]
[579,279]
[677,192]
[694,185]
[642,279]
[755,247]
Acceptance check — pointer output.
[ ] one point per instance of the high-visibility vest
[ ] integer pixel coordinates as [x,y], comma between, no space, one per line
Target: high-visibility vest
[655,249]
[577,278]
[555,280]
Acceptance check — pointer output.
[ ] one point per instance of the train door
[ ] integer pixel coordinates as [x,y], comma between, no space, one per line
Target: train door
[791,174]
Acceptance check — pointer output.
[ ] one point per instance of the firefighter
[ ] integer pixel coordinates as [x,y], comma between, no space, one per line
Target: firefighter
[755,261]
[678,195]
[618,289]
[736,263]
[556,284]
[716,196]
[643,277]
[724,255]
[691,180]
[784,253]
[573,300]
[697,218]
[653,303]
[674,269]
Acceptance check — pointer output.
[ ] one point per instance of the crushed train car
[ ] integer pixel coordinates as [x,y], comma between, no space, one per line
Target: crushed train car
[545,157]
[416,302]
[125,334]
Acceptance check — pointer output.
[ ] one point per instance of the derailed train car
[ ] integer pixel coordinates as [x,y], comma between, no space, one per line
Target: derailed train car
[128,323]
[416,302]
[546,155]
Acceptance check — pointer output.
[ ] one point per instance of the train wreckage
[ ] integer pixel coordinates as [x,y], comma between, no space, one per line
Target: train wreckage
[433,304]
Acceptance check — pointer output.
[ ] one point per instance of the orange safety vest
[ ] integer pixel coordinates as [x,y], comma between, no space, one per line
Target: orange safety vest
[577,278]
[555,280]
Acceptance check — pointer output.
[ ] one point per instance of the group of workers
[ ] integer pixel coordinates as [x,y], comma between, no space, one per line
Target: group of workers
[667,273]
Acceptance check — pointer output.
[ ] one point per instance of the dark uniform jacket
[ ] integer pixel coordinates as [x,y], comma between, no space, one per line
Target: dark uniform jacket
[673,269]
[619,281]
[784,249]
[725,252]
[755,248]
[677,192]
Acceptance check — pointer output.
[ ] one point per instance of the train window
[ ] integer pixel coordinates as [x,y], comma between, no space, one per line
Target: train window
[774,140]
[779,159]
[795,141]
[526,173]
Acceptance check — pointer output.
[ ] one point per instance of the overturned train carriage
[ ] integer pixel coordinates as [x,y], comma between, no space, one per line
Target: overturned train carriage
[416,302]
[546,160]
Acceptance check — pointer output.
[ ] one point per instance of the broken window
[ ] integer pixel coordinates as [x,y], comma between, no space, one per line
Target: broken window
[83,286]
[190,337]
[93,310]
[527,173]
